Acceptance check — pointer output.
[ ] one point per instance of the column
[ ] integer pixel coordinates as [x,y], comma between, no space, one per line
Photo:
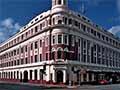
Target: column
[54,76]
[28,74]
[33,75]
[38,74]
[64,76]
[93,77]
[19,75]
[22,75]
[87,77]
[82,77]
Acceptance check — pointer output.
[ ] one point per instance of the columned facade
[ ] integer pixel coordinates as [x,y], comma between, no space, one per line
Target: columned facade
[60,46]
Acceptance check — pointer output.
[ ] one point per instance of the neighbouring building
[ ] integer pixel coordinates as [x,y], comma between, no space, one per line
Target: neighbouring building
[60,46]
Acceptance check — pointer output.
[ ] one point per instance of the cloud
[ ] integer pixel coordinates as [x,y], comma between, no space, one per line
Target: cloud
[8,27]
[115,30]
[118,6]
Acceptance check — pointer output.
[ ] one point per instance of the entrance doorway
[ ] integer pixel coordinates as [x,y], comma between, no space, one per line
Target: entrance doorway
[59,76]
[25,76]
[20,76]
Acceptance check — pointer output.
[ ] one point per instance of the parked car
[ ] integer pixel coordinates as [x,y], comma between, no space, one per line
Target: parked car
[103,82]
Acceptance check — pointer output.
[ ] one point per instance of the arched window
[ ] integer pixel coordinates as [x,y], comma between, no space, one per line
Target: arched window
[59,21]
[59,2]
[66,53]
[59,53]
[53,54]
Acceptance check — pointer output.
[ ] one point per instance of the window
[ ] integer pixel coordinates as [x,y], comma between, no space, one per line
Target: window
[103,37]
[46,41]
[65,20]
[83,27]
[36,58]
[40,43]
[40,57]
[31,46]
[76,23]
[59,21]
[18,39]
[31,31]
[43,24]
[40,26]
[46,56]
[88,30]
[26,48]
[94,33]
[59,54]
[70,21]
[59,38]
[53,39]
[107,39]
[22,37]
[31,59]
[66,55]
[26,34]
[26,60]
[53,21]
[59,2]
[22,50]
[36,29]
[65,39]
[18,62]
[22,61]
[53,55]
[98,34]
[36,45]
[14,52]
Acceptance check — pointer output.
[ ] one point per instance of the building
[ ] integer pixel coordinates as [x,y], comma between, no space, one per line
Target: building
[60,46]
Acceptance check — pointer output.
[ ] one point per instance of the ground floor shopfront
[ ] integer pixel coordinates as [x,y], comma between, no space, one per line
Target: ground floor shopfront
[58,73]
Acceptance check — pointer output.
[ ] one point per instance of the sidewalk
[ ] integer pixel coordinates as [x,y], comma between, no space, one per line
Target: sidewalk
[38,85]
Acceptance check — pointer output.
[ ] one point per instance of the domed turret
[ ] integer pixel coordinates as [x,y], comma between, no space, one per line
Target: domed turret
[59,4]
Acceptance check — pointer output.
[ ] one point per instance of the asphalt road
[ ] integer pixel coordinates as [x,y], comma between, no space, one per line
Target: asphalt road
[25,87]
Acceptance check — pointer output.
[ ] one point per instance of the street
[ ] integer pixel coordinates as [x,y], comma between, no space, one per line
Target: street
[26,87]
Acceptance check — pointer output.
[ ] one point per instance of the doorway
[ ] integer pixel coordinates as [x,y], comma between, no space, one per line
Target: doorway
[25,76]
[59,76]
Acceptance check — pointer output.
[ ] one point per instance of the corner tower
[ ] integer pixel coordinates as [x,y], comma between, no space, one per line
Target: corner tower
[59,4]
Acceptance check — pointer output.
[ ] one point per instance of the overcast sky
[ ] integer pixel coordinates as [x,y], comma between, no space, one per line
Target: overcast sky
[17,13]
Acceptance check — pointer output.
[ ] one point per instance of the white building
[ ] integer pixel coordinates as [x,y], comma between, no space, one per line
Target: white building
[59,46]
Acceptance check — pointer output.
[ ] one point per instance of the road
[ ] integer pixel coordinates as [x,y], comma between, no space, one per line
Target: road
[25,87]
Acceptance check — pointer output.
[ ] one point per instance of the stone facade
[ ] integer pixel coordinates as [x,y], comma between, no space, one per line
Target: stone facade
[60,46]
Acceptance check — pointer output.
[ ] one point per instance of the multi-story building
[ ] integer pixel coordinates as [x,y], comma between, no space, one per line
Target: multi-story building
[60,46]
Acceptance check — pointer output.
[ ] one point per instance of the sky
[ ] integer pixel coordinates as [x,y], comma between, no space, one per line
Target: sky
[16,13]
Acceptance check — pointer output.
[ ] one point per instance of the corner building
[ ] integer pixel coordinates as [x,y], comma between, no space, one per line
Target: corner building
[60,46]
